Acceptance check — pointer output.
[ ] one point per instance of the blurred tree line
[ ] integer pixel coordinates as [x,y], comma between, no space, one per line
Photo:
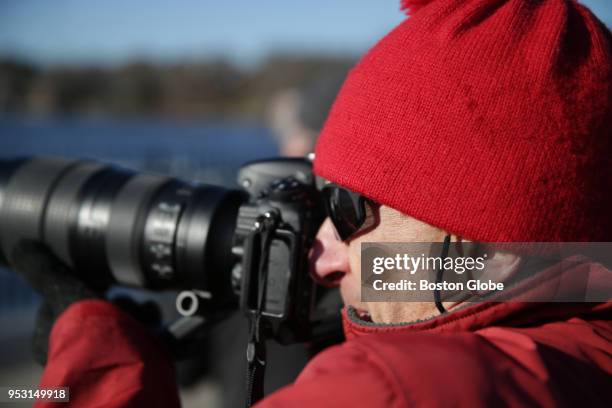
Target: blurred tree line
[208,89]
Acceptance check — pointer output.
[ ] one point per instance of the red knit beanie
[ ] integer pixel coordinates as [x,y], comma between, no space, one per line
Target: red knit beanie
[489,119]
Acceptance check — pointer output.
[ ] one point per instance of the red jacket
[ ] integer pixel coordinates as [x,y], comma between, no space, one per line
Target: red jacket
[489,354]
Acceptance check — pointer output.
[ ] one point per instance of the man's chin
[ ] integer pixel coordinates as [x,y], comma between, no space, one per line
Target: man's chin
[362,314]
[350,300]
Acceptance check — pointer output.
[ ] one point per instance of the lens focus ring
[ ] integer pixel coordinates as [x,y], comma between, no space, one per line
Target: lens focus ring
[125,227]
[62,210]
[25,199]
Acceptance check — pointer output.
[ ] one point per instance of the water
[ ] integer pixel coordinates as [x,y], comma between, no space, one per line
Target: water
[204,151]
[208,152]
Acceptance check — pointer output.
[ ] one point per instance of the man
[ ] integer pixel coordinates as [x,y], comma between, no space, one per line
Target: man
[485,120]
[296,115]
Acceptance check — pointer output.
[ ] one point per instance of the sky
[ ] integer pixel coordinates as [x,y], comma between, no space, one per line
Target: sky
[244,31]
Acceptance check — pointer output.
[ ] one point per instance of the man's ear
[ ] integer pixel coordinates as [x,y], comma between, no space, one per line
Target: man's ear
[501,266]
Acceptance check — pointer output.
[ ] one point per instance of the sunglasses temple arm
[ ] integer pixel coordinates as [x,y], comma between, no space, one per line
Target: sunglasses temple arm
[440,273]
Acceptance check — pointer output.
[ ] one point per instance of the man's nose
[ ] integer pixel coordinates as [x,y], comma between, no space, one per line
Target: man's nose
[329,256]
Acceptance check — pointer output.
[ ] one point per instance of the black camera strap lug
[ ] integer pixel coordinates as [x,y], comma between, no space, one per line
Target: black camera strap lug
[265,226]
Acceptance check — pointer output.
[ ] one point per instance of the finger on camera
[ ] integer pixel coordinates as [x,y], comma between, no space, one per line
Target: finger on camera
[44,323]
[37,264]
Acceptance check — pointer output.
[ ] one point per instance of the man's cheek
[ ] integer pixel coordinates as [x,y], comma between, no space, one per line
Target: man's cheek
[354,254]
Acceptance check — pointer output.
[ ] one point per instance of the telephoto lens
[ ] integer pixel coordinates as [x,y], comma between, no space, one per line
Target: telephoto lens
[115,226]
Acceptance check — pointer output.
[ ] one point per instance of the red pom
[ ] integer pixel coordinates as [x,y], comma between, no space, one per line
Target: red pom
[412,6]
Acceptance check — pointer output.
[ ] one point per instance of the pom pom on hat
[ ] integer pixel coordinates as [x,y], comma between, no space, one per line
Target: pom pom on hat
[412,6]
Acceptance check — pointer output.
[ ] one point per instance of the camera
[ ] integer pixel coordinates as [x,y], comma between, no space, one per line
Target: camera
[228,248]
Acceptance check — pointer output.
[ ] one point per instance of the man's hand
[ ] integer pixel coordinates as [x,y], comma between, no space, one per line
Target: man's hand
[57,284]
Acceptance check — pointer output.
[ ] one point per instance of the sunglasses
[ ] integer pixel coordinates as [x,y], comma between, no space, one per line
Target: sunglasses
[350,212]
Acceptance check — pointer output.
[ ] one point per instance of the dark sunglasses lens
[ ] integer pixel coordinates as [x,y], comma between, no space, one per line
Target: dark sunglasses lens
[343,213]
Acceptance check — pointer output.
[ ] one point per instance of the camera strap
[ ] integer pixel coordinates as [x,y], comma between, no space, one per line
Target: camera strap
[256,348]
[256,363]
[440,273]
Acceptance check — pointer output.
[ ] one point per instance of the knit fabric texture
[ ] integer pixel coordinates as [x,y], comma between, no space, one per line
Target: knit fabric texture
[489,119]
